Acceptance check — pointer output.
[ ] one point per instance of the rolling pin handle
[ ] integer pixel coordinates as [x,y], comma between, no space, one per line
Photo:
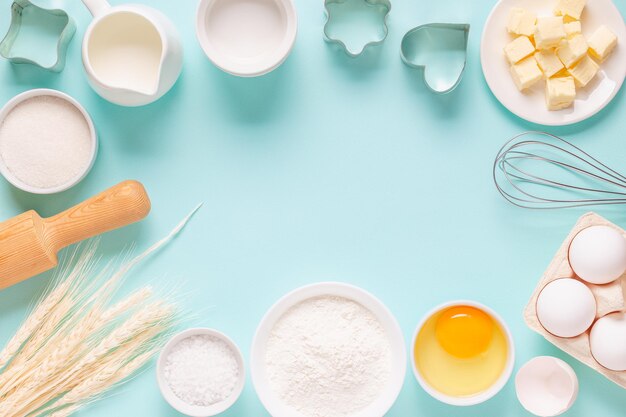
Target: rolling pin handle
[120,205]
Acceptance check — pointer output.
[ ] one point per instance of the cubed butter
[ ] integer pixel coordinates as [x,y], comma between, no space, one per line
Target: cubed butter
[560,93]
[521,22]
[526,73]
[573,28]
[584,71]
[602,43]
[570,51]
[518,49]
[549,63]
[549,32]
[571,8]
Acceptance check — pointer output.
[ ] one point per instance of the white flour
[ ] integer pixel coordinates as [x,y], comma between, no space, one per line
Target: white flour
[328,357]
[202,370]
[45,142]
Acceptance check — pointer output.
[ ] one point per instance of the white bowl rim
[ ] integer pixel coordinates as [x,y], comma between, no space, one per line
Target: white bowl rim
[540,121]
[194,410]
[40,92]
[269,63]
[488,393]
[388,397]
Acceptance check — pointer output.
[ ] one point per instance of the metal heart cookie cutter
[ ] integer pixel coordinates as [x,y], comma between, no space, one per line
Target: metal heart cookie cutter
[439,51]
[32,28]
[356,24]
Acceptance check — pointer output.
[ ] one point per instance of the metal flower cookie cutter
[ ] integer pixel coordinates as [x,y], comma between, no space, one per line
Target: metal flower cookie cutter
[356,24]
[439,50]
[32,33]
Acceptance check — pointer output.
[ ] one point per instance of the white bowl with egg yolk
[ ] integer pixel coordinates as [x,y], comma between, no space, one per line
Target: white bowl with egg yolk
[494,388]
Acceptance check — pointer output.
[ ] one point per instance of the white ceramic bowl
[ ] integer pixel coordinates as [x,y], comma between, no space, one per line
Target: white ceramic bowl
[531,106]
[94,141]
[194,410]
[246,38]
[485,395]
[273,404]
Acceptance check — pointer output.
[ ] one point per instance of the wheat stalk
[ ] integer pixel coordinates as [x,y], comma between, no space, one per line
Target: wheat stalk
[86,392]
[93,378]
[74,345]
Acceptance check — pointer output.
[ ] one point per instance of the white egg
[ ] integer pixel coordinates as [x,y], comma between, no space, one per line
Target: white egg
[546,386]
[597,254]
[608,341]
[566,307]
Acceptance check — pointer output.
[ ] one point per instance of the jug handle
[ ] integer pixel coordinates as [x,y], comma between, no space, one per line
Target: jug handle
[96,7]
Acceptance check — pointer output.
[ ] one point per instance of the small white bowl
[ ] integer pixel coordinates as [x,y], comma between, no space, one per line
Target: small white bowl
[195,410]
[491,391]
[10,105]
[246,38]
[273,404]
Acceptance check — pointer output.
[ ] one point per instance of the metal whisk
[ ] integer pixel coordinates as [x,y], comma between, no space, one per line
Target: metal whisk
[542,171]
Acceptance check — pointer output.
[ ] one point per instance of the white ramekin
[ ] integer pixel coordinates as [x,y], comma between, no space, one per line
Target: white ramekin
[195,410]
[263,62]
[11,104]
[488,393]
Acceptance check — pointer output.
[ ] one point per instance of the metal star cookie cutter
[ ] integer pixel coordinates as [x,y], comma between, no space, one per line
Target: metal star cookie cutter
[335,17]
[445,46]
[54,20]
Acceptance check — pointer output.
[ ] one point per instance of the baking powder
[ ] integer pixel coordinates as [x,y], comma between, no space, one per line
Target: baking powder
[328,357]
[45,142]
[202,370]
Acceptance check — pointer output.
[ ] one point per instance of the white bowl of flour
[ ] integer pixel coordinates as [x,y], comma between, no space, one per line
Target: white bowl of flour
[47,141]
[328,350]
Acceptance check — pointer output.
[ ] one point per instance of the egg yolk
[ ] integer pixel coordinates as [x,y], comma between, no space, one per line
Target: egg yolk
[464,332]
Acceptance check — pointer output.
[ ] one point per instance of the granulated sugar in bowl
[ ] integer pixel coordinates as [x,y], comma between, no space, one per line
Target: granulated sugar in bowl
[47,141]
[200,372]
[328,350]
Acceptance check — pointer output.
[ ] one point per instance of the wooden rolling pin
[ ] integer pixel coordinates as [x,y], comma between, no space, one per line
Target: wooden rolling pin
[29,244]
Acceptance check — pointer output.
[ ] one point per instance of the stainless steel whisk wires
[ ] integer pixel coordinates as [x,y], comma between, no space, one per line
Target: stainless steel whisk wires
[519,173]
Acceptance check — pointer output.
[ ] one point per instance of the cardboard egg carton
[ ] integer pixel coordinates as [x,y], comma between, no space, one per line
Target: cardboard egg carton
[609,299]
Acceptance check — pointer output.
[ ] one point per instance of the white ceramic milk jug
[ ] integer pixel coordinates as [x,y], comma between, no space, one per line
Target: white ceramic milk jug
[132,53]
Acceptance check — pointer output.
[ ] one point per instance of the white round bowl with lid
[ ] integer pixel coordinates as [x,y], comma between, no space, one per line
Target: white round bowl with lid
[246,38]
[271,401]
[482,396]
[40,92]
[196,410]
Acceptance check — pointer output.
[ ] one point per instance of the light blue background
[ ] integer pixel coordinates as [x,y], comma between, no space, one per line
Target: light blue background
[329,168]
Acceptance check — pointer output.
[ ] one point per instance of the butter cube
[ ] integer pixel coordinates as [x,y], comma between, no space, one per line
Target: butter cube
[602,43]
[549,63]
[549,32]
[584,71]
[572,29]
[518,49]
[521,22]
[526,73]
[560,93]
[571,8]
[570,51]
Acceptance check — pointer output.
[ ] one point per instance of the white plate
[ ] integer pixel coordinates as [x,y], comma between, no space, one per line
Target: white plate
[531,105]
[273,404]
